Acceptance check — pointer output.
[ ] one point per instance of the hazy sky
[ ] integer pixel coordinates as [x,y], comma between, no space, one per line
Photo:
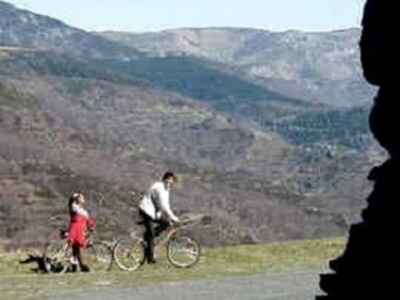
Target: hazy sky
[150,15]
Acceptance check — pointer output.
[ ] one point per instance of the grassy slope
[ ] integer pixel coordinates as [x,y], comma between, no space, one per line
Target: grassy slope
[18,282]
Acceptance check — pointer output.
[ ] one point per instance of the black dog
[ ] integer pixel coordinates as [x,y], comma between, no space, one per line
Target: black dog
[44,264]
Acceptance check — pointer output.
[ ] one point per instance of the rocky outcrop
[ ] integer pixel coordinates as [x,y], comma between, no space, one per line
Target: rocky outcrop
[367,267]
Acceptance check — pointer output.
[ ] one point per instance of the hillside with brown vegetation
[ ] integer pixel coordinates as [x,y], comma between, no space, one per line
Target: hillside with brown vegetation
[258,164]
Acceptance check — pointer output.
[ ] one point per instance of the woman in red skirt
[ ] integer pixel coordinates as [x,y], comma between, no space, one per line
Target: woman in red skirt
[77,232]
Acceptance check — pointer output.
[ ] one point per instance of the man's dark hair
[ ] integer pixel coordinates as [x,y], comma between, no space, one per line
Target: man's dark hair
[168,175]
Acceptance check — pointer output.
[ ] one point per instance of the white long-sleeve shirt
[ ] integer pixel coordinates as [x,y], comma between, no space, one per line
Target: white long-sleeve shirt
[155,202]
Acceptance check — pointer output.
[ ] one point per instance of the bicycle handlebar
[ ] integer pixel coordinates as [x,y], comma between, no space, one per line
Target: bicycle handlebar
[184,222]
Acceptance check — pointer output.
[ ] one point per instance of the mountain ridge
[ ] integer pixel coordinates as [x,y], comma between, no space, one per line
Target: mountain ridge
[260,56]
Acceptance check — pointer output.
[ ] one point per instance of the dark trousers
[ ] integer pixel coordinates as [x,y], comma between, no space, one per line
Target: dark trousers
[153,229]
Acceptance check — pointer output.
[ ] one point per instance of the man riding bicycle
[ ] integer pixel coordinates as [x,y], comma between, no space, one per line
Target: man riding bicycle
[154,208]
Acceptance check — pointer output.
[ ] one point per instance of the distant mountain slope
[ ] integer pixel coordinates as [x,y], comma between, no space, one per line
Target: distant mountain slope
[348,128]
[22,28]
[225,92]
[286,55]
[318,67]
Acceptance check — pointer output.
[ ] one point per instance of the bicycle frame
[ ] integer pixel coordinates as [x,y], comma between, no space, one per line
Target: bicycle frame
[170,232]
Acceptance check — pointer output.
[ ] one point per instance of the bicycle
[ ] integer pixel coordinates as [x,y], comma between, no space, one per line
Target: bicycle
[58,252]
[182,251]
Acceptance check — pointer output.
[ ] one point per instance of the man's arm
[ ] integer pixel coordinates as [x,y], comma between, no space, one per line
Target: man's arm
[166,208]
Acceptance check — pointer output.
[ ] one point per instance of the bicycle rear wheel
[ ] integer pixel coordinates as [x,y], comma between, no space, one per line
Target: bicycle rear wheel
[129,253]
[58,255]
[98,256]
[183,251]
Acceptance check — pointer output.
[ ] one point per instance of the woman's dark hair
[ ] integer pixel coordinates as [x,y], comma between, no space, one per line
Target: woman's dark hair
[168,175]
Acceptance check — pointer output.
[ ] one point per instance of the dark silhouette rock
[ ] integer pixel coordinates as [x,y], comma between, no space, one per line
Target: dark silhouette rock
[364,268]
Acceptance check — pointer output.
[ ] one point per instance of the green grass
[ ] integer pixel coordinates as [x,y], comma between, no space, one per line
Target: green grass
[18,282]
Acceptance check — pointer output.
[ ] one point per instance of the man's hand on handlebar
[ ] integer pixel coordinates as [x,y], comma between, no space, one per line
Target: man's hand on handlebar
[175,222]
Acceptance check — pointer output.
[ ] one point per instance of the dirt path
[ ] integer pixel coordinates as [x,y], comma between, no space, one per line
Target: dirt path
[292,286]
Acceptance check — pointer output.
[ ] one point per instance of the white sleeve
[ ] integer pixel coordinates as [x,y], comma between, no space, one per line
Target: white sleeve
[80,210]
[166,208]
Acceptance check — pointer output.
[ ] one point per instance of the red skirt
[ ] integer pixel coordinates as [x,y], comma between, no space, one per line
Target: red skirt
[77,232]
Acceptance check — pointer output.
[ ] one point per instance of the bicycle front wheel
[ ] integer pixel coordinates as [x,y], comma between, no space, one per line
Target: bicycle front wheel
[98,256]
[183,251]
[129,254]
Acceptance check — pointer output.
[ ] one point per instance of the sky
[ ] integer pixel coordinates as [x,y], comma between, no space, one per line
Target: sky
[155,15]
